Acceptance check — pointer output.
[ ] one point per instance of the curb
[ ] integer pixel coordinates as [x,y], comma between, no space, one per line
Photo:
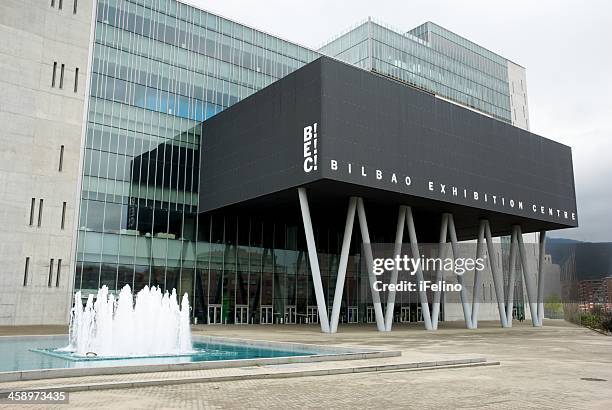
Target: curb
[413,366]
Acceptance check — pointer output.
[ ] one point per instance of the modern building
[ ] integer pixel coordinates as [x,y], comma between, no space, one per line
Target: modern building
[441,62]
[45,51]
[596,293]
[585,273]
[108,178]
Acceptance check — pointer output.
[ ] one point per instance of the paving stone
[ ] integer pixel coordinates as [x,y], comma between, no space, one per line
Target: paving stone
[540,368]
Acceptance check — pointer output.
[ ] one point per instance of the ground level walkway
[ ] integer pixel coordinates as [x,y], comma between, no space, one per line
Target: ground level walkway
[557,366]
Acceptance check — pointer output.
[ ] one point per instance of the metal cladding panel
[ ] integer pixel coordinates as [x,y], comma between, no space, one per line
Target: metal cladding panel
[372,122]
[376,135]
[254,148]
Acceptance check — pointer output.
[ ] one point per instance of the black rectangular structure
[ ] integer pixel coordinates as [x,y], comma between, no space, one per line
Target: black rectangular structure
[343,131]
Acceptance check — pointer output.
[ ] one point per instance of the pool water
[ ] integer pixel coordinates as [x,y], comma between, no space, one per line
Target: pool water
[38,352]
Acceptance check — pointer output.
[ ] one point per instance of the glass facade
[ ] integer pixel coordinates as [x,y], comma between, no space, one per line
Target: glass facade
[160,69]
[431,58]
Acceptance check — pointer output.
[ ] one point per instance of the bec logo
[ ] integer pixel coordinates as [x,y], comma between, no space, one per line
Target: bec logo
[310,147]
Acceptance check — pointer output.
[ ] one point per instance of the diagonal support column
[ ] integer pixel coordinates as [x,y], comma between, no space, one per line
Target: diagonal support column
[344,254]
[511,278]
[314,260]
[477,277]
[435,310]
[497,278]
[542,252]
[467,310]
[367,249]
[531,290]
[414,247]
[399,236]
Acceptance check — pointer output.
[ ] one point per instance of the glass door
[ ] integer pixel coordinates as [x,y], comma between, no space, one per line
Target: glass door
[312,314]
[214,314]
[266,315]
[290,315]
[371,316]
[241,317]
[405,314]
[353,314]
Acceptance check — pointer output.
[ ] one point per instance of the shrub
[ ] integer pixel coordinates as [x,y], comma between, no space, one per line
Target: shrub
[606,324]
[590,320]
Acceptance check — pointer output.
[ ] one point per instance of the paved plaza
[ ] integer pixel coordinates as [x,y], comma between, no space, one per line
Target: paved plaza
[557,366]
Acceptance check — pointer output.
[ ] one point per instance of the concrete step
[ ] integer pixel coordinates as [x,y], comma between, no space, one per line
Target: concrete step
[245,373]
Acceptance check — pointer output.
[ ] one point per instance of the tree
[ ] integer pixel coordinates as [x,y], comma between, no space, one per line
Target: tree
[553,304]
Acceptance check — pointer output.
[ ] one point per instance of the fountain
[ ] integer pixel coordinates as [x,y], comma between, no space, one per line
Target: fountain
[148,329]
[155,325]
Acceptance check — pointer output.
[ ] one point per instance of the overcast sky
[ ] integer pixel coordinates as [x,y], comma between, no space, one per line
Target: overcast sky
[565,46]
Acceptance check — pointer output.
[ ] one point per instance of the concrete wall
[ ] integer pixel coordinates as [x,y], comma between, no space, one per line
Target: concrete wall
[453,310]
[37,119]
[488,310]
[517,81]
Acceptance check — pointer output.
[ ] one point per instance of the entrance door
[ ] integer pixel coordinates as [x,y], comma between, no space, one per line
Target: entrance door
[312,314]
[241,317]
[405,314]
[290,315]
[419,314]
[266,315]
[353,314]
[214,314]
[371,316]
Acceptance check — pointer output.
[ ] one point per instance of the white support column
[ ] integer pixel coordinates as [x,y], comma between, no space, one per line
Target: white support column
[497,279]
[467,311]
[531,291]
[435,310]
[314,261]
[344,254]
[477,277]
[399,237]
[511,278]
[542,252]
[414,246]
[367,249]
